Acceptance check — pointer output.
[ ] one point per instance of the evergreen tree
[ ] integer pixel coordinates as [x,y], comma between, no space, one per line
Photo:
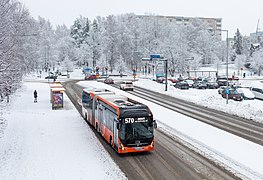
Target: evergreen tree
[79,31]
[238,43]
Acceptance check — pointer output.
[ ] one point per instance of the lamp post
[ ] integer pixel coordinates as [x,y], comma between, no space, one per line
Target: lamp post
[189,59]
[227,92]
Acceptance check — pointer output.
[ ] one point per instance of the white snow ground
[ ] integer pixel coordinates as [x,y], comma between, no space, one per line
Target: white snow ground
[41,143]
[37,143]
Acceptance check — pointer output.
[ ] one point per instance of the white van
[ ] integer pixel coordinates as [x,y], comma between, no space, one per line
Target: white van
[258,92]
[126,85]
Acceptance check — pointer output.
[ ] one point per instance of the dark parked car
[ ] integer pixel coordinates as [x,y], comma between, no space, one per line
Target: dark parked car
[182,85]
[200,85]
[233,94]
[109,81]
[51,77]
[212,85]
[221,80]
[90,77]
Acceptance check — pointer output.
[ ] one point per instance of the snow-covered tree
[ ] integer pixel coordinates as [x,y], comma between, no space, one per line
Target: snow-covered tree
[16,51]
[79,31]
[110,40]
[258,61]
[238,43]
[95,43]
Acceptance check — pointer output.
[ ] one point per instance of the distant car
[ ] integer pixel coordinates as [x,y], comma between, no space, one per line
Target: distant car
[200,85]
[190,82]
[173,80]
[51,77]
[126,85]
[246,93]
[233,94]
[181,85]
[192,78]
[160,79]
[109,81]
[222,82]
[212,85]
[90,77]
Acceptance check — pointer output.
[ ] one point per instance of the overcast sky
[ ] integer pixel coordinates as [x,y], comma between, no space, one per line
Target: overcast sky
[235,13]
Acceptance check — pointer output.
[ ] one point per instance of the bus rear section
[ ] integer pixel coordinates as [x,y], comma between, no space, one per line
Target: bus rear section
[87,102]
[127,125]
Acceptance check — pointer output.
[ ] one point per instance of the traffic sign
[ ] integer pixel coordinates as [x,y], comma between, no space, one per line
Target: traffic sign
[227,91]
[155,56]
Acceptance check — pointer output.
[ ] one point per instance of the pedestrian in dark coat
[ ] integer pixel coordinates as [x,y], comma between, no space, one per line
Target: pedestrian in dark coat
[35,96]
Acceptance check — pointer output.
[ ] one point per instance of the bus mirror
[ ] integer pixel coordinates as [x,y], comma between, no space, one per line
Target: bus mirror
[154,124]
[118,125]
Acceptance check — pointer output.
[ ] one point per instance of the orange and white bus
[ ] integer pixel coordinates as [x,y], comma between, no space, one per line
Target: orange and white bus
[127,125]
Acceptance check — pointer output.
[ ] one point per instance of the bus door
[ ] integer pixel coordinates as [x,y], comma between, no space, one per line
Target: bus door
[115,132]
[100,117]
[94,107]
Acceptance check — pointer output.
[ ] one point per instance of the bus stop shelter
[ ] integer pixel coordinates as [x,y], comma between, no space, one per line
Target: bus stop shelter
[57,97]
[54,85]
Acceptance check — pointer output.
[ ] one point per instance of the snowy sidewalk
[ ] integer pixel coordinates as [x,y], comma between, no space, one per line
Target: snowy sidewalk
[41,143]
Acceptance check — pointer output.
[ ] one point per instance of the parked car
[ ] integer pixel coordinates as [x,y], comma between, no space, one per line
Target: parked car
[173,80]
[126,85]
[160,79]
[246,93]
[233,94]
[212,85]
[51,76]
[221,80]
[109,81]
[190,82]
[258,92]
[221,88]
[192,78]
[90,77]
[181,85]
[200,85]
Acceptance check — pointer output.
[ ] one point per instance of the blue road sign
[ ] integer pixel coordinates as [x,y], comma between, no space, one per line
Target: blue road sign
[227,91]
[155,56]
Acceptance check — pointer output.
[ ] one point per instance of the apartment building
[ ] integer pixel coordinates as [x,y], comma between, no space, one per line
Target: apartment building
[214,24]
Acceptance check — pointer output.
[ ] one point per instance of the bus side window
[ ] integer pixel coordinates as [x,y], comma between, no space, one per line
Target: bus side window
[86,99]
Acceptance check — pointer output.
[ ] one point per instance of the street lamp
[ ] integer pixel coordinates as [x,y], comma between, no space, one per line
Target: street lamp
[189,59]
[227,91]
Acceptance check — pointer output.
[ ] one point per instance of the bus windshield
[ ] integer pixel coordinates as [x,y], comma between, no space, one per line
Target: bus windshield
[134,129]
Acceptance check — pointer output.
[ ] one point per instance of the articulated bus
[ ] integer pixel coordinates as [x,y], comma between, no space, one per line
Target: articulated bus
[126,124]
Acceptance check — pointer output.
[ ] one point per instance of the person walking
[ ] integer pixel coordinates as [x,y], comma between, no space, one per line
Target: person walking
[35,96]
